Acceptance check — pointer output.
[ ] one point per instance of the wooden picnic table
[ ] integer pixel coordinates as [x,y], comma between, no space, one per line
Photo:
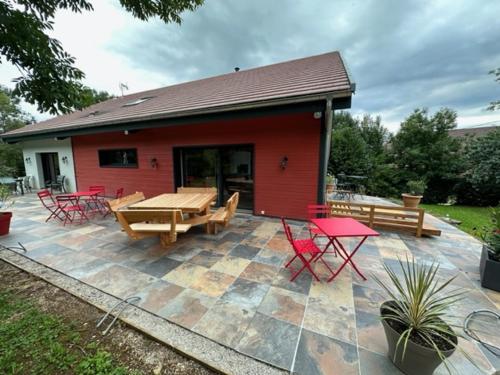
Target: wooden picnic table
[197,205]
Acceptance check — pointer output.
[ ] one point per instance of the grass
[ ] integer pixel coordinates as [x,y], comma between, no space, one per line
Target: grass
[471,217]
[34,342]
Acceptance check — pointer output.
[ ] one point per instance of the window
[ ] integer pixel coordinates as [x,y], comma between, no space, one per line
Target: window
[137,101]
[118,158]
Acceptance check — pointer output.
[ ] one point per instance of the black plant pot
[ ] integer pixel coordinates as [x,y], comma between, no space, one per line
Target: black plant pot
[418,359]
[489,270]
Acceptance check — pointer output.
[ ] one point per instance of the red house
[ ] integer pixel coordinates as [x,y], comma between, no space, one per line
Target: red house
[264,132]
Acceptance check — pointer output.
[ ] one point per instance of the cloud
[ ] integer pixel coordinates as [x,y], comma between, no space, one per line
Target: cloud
[402,54]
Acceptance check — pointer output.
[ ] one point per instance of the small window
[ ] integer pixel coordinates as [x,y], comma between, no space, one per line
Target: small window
[118,158]
[137,101]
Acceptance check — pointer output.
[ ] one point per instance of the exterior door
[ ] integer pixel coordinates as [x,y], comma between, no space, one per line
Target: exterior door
[50,166]
[228,168]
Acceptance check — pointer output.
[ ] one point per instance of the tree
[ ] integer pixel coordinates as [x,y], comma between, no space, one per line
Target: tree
[90,96]
[359,148]
[482,177]
[495,104]
[11,117]
[49,78]
[423,149]
[348,152]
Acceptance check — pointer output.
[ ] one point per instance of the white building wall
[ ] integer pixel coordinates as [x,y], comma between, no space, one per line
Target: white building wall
[33,161]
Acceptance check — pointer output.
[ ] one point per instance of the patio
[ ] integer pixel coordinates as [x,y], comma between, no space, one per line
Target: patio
[232,287]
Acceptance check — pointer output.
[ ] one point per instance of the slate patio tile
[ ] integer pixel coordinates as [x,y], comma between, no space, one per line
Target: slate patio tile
[256,241]
[185,275]
[330,310]
[271,257]
[233,236]
[376,364]
[244,251]
[279,243]
[260,272]
[368,299]
[158,268]
[213,283]
[225,323]
[206,258]
[119,281]
[231,265]
[301,284]
[114,252]
[78,241]
[284,305]
[270,340]
[245,293]
[370,331]
[187,308]
[184,253]
[80,271]
[321,355]
[48,249]
[267,229]
[158,294]
[18,235]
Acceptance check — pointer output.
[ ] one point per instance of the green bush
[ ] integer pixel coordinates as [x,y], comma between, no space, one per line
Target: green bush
[416,187]
[480,184]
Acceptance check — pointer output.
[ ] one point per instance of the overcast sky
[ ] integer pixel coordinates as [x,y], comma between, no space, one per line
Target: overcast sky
[402,54]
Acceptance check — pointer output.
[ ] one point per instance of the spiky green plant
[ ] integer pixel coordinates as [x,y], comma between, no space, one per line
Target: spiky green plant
[420,304]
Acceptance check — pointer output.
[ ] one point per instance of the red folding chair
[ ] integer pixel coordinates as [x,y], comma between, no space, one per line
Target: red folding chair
[98,200]
[316,211]
[50,204]
[119,193]
[70,205]
[302,248]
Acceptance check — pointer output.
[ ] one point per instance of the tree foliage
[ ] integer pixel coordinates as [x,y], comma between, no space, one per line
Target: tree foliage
[423,150]
[11,117]
[482,175]
[90,96]
[358,148]
[49,78]
[495,104]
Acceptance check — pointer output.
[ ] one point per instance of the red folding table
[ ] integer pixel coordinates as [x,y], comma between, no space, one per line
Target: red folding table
[343,227]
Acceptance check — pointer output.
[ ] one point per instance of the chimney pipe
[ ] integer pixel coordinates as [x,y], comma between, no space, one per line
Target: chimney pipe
[237,69]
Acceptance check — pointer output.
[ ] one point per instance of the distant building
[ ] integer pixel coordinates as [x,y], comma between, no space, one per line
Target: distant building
[474,131]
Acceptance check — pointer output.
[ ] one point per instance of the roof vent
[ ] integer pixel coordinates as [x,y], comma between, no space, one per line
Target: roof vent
[137,101]
[237,69]
[92,114]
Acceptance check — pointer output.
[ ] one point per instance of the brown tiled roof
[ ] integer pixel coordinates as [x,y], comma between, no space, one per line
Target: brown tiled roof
[310,76]
[473,132]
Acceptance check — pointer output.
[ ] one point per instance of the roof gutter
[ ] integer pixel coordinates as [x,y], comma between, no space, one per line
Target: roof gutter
[15,137]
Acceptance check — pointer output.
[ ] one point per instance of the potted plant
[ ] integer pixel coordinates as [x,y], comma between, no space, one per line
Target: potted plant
[5,203]
[418,337]
[330,183]
[416,189]
[489,266]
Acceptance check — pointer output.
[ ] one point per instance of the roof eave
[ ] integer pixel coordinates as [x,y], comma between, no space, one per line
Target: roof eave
[16,137]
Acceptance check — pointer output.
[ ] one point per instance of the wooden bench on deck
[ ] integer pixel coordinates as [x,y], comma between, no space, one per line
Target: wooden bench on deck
[143,223]
[383,216]
[224,214]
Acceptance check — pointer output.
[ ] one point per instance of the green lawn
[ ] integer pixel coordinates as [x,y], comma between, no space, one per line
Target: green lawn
[34,342]
[471,217]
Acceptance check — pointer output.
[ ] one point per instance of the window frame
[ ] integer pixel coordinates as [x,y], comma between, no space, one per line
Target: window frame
[131,166]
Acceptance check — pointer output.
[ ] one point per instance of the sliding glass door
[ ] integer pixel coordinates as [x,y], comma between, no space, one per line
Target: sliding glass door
[228,168]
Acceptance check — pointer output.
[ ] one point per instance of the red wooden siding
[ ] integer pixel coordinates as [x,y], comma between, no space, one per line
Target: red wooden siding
[277,192]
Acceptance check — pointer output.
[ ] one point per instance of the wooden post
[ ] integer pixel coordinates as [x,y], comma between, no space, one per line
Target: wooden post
[420,222]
